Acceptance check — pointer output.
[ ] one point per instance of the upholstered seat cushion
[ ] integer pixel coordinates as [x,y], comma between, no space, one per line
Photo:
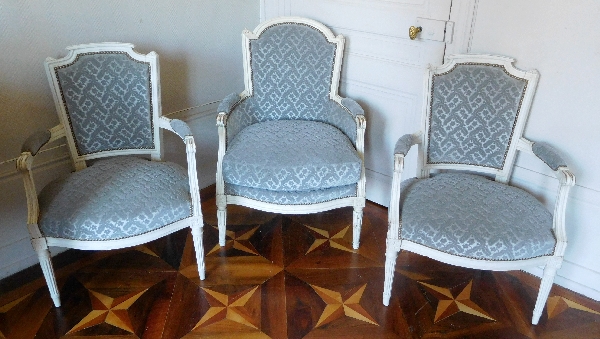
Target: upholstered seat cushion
[115,198]
[472,216]
[291,155]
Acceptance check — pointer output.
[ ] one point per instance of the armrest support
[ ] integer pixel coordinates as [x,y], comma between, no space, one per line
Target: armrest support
[566,180]
[229,103]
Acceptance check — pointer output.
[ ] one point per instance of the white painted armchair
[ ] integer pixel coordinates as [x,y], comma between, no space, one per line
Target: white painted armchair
[461,210]
[289,143]
[108,101]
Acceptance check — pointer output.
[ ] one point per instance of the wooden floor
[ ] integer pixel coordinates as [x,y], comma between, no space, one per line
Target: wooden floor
[282,277]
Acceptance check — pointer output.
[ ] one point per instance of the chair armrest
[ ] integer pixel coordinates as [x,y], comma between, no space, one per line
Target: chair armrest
[548,155]
[176,126]
[352,106]
[227,104]
[566,180]
[36,141]
[404,144]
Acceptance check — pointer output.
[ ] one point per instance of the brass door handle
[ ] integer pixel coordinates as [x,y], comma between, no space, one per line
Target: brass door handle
[413,31]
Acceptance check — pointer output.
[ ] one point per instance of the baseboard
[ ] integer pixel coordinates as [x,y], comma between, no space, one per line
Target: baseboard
[378,187]
[576,278]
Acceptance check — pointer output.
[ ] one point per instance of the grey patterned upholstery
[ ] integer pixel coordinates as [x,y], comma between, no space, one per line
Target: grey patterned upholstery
[291,83]
[292,197]
[115,198]
[548,155]
[403,144]
[36,141]
[108,102]
[471,216]
[291,155]
[473,113]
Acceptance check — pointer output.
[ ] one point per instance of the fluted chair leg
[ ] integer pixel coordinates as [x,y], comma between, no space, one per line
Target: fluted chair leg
[222,219]
[545,287]
[46,263]
[197,231]
[356,225]
[390,266]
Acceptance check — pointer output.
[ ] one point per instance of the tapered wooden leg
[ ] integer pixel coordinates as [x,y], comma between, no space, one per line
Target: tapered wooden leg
[545,287]
[221,217]
[391,253]
[45,262]
[356,224]
[197,231]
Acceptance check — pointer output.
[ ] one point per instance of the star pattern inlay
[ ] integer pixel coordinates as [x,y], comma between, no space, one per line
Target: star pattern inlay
[449,305]
[112,311]
[6,308]
[557,305]
[239,242]
[338,307]
[323,237]
[233,307]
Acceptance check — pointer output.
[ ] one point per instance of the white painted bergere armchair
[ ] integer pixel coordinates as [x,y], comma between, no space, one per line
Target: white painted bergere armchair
[473,121]
[289,143]
[108,101]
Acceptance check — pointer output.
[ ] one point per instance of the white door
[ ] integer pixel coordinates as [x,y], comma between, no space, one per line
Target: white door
[383,69]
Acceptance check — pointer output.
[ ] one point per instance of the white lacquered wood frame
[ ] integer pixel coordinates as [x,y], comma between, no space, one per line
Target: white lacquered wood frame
[566,179]
[357,202]
[195,221]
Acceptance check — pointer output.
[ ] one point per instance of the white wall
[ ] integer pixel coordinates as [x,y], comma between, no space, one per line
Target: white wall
[199,45]
[559,38]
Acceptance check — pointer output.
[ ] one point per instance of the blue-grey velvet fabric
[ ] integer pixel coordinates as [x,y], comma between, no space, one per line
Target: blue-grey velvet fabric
[115,198]
[36,141]
[228,102]
[291,155]
[181,128]
[403,144]
[292,197]
[291,72]
[548,155]
[353,106]
[472,216]
[473,112]
[108,101]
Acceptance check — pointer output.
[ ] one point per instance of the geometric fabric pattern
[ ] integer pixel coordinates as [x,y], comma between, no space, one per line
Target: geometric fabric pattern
[291,82]
[282,277]
[292,197]
[291,155]
[474,108]
[472,216]
[115,198]
[108,102]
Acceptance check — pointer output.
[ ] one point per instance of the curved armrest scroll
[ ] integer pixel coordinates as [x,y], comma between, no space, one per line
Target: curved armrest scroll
[548,155]
[227,104]
[352,106]
[36,141]
[176,126]
[404,144]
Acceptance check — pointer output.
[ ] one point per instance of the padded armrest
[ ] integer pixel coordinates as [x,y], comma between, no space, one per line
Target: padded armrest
[353,106]
[227,104]
[548,155]
[404,144]
[180,128]
[36,141]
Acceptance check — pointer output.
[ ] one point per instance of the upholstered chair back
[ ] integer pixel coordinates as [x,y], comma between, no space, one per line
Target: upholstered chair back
[476,116]
[106,101]
[294,74]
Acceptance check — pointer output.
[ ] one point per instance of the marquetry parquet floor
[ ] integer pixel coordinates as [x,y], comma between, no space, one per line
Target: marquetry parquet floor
[282,277]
